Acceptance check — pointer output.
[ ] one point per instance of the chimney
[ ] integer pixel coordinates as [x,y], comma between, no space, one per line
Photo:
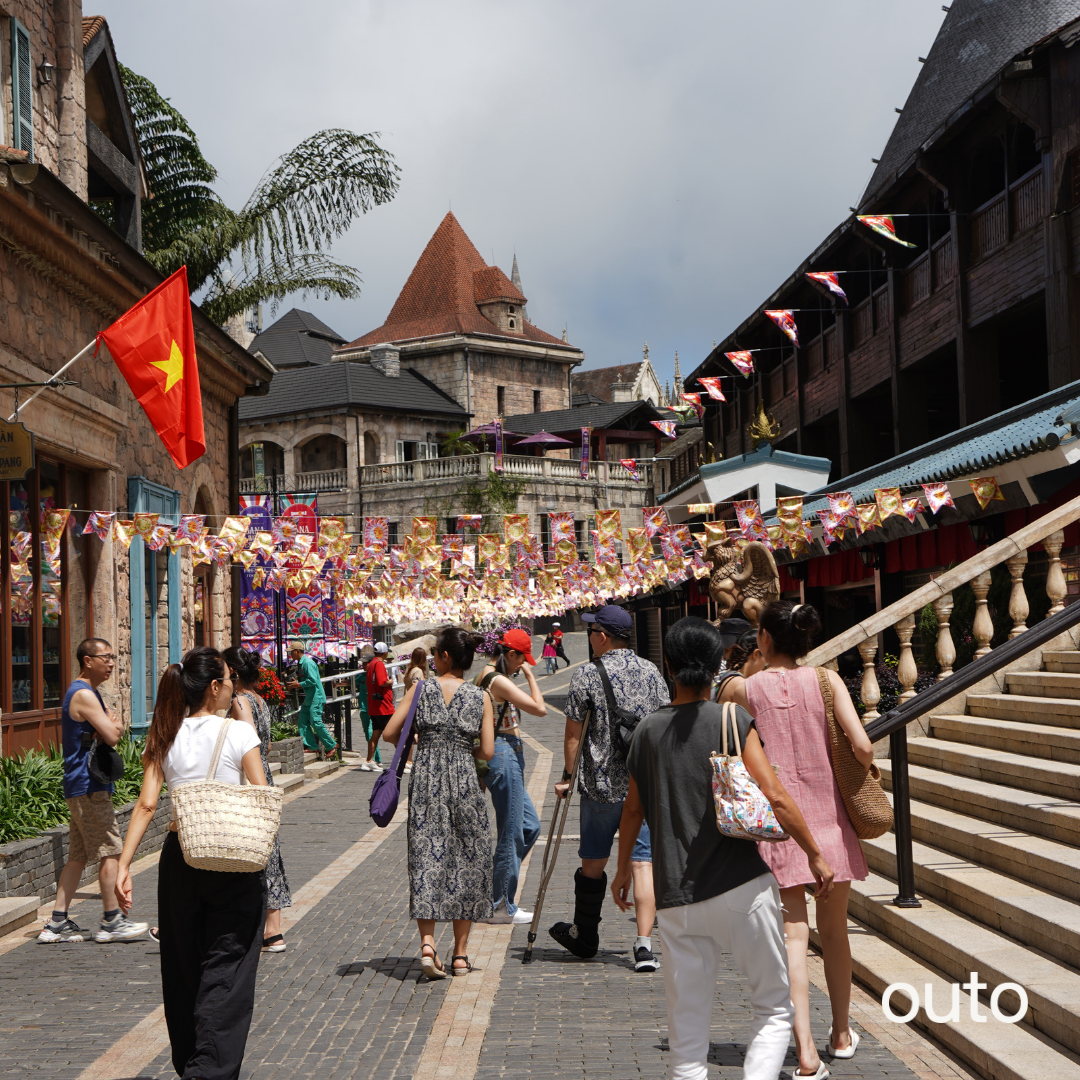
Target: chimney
[387,359]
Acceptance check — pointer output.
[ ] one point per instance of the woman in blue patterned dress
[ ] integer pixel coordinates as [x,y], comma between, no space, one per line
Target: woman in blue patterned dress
[250,707]
[450,854]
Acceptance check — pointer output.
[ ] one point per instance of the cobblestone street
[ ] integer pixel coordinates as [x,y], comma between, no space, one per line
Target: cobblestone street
[347,998]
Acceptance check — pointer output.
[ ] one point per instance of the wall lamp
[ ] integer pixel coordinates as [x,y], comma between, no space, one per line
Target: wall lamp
[45,72]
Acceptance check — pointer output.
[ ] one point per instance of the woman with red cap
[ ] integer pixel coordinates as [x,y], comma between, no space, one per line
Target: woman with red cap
[516,820]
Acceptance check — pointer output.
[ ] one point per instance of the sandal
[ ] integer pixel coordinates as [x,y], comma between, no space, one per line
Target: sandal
[276,943]
[460,970]
[431,969]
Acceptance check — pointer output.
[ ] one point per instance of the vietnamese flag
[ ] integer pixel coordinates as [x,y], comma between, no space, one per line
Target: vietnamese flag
[153,345]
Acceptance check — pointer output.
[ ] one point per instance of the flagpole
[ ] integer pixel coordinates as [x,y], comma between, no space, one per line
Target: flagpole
[78,356]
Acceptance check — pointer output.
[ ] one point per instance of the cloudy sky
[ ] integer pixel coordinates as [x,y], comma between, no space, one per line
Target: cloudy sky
[657,167]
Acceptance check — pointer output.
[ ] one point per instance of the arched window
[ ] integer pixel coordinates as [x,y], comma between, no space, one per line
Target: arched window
[371,448]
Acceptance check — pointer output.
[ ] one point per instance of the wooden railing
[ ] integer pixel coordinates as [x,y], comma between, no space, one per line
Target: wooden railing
[917,281]
[901,616]
[990,227]
[942,253]
[862,319]
[1028,201]
[881,308]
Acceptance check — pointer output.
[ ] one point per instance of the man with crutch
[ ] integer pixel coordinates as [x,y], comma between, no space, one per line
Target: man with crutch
[617,689]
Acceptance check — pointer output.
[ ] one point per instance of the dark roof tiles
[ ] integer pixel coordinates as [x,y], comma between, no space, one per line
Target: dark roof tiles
[598,381]
[616,415]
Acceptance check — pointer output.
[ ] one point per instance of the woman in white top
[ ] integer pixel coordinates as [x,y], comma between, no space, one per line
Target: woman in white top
[211,922]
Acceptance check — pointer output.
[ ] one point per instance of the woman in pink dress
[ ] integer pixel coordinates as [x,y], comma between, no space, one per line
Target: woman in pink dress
[785,701]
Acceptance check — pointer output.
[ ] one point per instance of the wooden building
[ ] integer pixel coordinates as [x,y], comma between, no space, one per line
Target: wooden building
[982,173]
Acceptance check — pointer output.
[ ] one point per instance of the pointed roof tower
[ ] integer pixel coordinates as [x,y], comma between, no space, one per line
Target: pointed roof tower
[515,280]
[677,385]
[451,290]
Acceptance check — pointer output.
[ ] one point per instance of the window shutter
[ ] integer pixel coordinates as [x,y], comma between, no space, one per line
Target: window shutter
[399,450]
[22,89]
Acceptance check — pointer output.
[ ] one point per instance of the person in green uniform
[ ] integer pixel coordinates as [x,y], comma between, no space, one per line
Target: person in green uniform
[310,721]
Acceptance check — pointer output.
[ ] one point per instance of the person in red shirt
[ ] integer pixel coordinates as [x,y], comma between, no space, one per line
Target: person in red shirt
[380,696]
[556,633]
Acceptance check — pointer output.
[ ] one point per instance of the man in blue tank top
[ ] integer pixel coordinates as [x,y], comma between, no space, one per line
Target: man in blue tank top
[94,835]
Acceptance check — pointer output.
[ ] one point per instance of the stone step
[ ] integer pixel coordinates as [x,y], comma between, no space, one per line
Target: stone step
[318,769]
[1008,807]
[956,946]
[310,756]
[288,781]
[351,755]
[1026,709]
[1022,911]
[1033,740]
[1044,863]
[1059,684]
[1061,661]
[1059,779]
[16,911]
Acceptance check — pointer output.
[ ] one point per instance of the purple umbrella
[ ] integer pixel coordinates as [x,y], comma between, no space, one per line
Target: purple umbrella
[542,440]
[485,432]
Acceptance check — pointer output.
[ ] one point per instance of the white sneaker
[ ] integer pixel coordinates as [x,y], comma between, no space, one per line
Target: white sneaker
[522,917]
[121,929]
[366,766]
[70,931]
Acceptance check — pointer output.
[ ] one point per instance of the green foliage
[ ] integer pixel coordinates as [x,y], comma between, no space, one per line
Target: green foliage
[928,634]
[275,244]
[455,445]
[281,729]
[32,789]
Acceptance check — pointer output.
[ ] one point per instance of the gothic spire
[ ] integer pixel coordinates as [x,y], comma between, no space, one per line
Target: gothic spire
[515,279]
[678,385]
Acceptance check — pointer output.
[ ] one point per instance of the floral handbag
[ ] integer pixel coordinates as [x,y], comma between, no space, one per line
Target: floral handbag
[742,811]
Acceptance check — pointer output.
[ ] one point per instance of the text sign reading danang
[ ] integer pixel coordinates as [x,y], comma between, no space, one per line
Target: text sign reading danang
[16,451]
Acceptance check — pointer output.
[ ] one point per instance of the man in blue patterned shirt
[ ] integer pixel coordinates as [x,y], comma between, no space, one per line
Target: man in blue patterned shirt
[603,780]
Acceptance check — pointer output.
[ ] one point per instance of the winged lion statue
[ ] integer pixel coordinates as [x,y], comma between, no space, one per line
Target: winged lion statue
[746,579]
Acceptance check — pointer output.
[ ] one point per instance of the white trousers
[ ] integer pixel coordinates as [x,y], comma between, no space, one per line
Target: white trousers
[748,923]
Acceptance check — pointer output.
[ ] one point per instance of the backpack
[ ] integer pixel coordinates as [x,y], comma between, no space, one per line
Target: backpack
[623,722]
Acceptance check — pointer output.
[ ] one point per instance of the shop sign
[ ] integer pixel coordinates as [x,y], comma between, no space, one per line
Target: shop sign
[16,451]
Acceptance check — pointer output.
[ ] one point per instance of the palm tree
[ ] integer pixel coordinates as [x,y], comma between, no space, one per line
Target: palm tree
[275,244]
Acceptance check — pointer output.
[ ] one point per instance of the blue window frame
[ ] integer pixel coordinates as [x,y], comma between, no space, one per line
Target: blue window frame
[155,601]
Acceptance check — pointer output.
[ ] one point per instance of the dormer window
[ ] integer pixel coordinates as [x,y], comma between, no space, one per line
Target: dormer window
[511,309]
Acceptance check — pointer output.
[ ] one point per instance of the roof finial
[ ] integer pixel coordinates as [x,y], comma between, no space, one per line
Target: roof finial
[645,351]
[515,279]
[564,337]
[678,377]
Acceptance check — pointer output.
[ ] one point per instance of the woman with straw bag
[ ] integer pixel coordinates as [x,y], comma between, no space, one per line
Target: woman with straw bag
[794,721]
[211,921]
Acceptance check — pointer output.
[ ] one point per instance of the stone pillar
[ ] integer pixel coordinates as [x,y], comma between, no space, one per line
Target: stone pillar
[387,359]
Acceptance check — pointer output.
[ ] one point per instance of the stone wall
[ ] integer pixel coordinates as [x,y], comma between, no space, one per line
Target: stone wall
[289,753]
[31,867]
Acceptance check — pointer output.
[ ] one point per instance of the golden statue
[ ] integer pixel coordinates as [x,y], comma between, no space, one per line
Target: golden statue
[746,579]
[763,428]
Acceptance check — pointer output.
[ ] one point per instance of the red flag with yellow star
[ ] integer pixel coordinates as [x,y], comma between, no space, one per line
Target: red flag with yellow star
[153,345]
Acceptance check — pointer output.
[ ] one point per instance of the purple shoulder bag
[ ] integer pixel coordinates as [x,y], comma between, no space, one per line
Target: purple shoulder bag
[384,795]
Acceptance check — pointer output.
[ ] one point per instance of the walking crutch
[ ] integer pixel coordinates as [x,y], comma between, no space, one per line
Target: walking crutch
[551,851]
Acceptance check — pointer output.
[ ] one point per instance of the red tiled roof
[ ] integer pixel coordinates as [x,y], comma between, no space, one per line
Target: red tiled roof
[442,292]
[598,381]
[91,24]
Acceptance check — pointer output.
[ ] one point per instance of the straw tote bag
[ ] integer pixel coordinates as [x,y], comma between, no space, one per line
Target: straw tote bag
[742,811]
[226,827]
[867,804]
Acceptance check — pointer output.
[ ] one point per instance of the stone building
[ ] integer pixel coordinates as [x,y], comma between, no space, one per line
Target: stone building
[622,382]
[65,275]
[461,324]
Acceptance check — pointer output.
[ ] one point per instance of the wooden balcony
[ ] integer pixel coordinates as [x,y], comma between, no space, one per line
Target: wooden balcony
[1008,215]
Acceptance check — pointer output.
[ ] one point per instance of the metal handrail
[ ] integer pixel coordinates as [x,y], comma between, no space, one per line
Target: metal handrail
[894,725]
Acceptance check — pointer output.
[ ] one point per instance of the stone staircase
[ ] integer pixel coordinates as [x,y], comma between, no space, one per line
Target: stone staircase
[995,820]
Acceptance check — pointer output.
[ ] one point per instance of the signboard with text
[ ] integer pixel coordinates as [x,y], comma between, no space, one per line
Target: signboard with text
[16,451]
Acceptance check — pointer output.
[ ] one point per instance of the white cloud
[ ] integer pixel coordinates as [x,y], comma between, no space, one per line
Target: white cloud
[659,168]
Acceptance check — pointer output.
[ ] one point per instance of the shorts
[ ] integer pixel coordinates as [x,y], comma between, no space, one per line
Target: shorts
[94,834]
[599,824]
[379,721]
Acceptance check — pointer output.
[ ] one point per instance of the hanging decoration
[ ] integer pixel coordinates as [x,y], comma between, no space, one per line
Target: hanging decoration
[888,502]
[743,359]
[667,427]
[586,441]
[694,401]
[655,520]
[630,465]
[986,490]
[883,225]
[785,319]
[937,496]
[99,523]
[831,280]
[498,463]
[693,509]
[470,521]
[712,385]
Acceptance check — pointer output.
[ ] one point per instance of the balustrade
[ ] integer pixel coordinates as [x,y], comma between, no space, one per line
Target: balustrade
[1018,601]
[1028,203]
[983,626]
[870,692]
[989,228]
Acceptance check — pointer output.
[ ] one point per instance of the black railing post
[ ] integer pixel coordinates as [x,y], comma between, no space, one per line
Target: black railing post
[905,862]
[348,717]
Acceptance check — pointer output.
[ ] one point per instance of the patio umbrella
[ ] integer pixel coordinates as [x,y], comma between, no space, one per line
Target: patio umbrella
[542,440]
[486,433]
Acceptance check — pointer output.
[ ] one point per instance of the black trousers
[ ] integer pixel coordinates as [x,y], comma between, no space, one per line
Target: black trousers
[559,651]
[211,937]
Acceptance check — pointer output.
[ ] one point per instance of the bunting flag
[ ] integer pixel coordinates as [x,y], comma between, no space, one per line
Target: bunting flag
[693,509]
[124,531]
[867,517]
[159,537]
[789,514]
[694,401]
[561,524]
[608,524]
[144,525]
[831,281]
[470,521]
[889,503]
[453,546]
[586,441]
[99,523]
[842,506]
[603,546]
[912,507]
[743,359]
[423,529]
[630,465]
[638,545]
[715,533]
[785,319]
[986,490]
[883,225]
[937,496]
[667,427]
[191,525]
[515,527]
[655,520]
[712,385]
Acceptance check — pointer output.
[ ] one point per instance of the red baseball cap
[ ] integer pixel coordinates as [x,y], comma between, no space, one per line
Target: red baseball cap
[519,641]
